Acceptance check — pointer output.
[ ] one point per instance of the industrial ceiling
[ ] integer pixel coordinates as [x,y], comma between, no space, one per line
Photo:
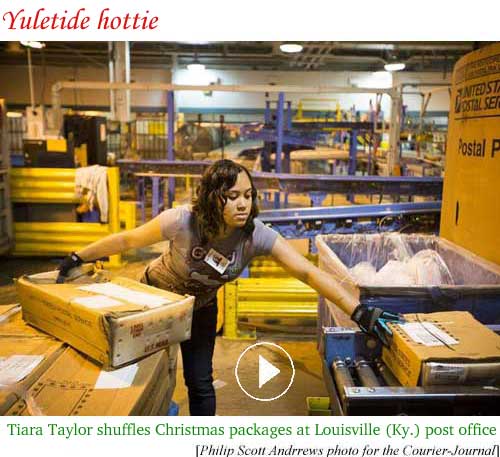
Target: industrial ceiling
[245,55]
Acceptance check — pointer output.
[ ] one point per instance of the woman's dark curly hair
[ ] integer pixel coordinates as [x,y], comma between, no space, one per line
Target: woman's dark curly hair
[208,206]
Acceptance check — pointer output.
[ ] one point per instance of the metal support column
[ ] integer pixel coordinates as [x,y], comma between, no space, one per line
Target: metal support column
[286,163]
[30,75]
[111,75]
[279,140]
[141,197]
[121,61]
[289,115]
[267,112]
[265,159]
[170,143]
[221,127]
[394,131]
[353,150]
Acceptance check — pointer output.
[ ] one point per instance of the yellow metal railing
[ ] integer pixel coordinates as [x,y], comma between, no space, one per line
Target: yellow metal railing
[57,185]
[43,185]
[265,298]
[266,267]
[128,215]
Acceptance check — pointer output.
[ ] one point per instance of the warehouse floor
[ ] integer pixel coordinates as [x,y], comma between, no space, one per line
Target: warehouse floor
[231,400]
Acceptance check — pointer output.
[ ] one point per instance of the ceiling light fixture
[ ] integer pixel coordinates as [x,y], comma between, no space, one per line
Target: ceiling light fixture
[396,66]
[33,44]
[291,48]
[196,66]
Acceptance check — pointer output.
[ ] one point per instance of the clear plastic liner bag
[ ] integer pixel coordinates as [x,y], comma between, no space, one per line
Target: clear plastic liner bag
[364,273]
[394,273]
[391,259]
[399,248]
[429,269]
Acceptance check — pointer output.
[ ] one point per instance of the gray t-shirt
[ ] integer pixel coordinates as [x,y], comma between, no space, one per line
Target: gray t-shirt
[183,269]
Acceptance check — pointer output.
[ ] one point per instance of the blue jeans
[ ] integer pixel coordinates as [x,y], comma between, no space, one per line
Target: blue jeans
[197,356]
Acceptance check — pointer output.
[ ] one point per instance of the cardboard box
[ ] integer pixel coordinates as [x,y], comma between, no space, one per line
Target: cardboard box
[74,385]
[454,341]
[166,399]
[12,324]
[114,322]
[7,311]
[159,392]
[22,361]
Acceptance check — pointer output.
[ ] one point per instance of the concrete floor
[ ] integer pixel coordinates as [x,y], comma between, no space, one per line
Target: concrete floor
[231,400]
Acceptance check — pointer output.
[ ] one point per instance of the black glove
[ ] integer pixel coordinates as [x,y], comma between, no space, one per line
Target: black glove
[68,263]
[374,320]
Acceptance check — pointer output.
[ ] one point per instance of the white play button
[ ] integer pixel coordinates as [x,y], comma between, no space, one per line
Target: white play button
[258,377]
[267,371]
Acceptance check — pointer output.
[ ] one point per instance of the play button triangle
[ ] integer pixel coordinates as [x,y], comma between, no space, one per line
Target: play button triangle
[267,371]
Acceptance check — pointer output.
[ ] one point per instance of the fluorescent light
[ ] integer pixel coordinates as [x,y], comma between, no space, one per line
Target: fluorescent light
[376,80]
[196,66]
[291,47]
[397,66]
[14,114]
[33,44]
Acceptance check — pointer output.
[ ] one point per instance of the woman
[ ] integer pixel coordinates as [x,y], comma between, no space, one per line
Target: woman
[211,242]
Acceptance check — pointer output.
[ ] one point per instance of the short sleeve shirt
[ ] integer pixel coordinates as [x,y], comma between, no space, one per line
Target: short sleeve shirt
[183,268]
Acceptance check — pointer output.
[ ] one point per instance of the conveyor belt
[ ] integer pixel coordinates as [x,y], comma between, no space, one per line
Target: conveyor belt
[291,183]
[368,185]
[360,384]
[309,222]
[348,212]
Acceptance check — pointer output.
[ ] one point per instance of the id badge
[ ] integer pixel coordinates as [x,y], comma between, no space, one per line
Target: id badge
[217,261]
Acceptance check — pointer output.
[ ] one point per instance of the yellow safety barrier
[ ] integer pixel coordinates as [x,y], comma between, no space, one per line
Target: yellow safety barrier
[128,215]
[57,185]
[220,309]
[43,185]
[266,267]
[265,298]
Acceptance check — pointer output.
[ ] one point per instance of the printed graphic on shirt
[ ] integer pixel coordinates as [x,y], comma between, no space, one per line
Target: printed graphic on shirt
[198,253]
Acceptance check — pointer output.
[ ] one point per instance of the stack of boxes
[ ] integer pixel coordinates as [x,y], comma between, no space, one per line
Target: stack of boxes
[110,347]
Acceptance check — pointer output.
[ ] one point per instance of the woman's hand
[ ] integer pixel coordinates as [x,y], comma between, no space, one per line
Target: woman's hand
[374,321]
[67,264]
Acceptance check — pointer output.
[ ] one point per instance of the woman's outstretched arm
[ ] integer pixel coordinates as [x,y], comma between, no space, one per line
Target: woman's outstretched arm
[142,236]
[345,295]
[347,298]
